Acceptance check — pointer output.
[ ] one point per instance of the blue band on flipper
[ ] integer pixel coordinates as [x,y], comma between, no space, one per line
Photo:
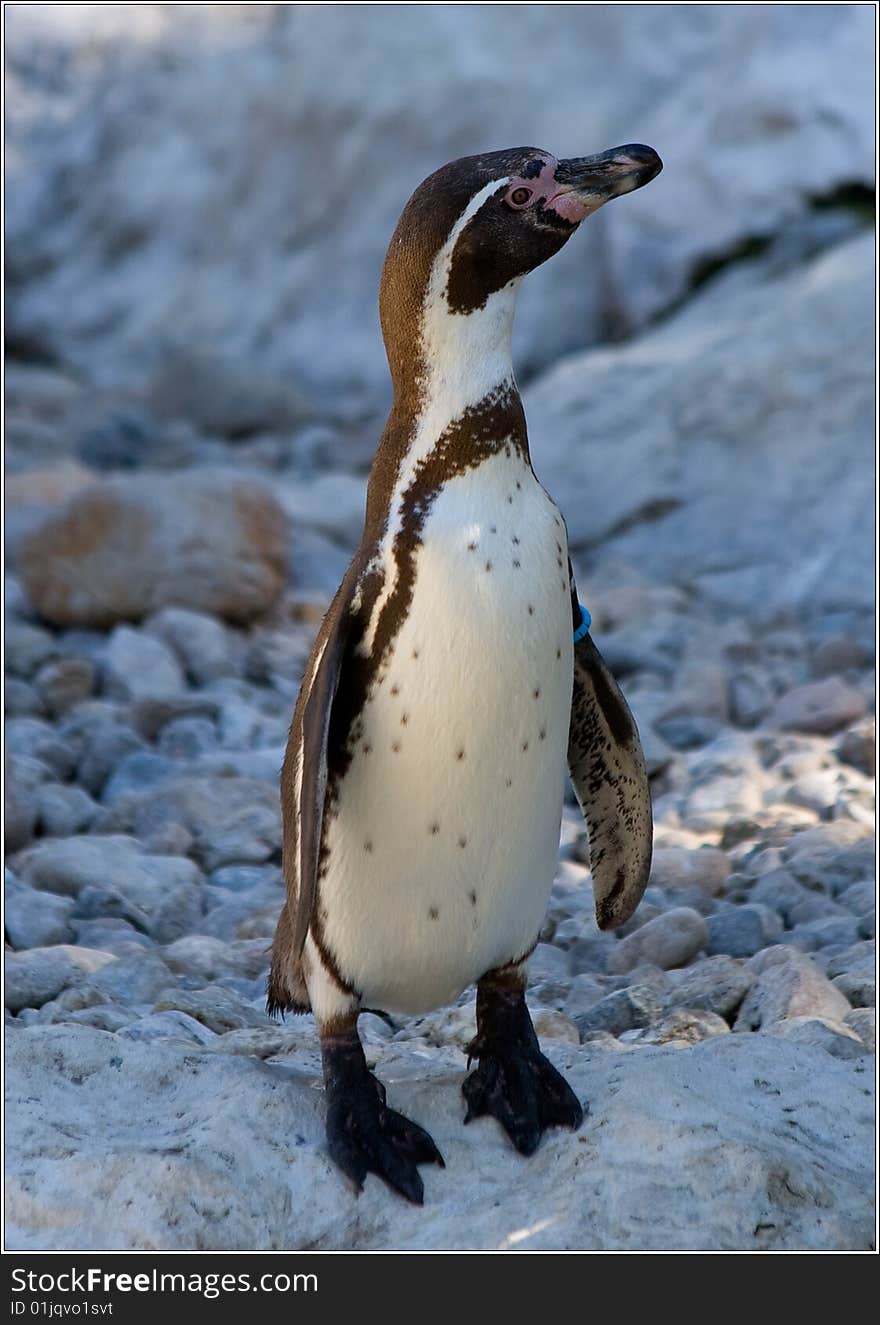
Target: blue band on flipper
[584,628]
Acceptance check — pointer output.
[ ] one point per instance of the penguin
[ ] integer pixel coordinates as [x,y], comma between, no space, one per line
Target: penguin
[452,679]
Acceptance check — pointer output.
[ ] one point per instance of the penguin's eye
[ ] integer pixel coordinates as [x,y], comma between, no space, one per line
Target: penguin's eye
[519,197]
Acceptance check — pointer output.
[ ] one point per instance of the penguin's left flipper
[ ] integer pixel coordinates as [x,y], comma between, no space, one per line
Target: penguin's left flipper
[607,769]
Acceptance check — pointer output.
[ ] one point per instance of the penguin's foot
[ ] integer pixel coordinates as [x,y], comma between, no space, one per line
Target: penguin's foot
[363,1134]
[513,1081]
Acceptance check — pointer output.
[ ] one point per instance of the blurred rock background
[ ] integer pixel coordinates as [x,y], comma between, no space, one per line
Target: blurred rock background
[198,204]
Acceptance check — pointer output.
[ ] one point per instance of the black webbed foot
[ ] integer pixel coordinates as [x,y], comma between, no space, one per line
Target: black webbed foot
[513,1081]
[363,1134]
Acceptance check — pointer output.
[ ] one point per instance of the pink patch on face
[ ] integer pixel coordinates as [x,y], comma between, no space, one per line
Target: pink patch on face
[573,206]
[543,190]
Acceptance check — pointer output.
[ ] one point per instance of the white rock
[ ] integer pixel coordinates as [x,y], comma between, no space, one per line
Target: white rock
[114,1144]
[834,1036]
[110,276]
[666,468]
[136,665]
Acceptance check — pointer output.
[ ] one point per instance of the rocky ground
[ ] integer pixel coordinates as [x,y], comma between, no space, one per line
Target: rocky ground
[175,528]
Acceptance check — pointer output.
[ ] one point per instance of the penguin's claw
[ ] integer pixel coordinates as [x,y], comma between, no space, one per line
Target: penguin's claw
[364,1136]
[516,1084]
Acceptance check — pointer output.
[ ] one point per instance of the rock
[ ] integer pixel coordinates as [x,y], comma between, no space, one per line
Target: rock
[858,987]
[27,648]
[862,1021]
[211,959]
[674,868]
[824,932]
[122,439]
[35,919]
[35,976]
[213,1006]
[685,1025]
[223,393]
[751,695]
[332,503]
[102,282]
[547,963]
[38,740]
[788,984]
[821,706]
[857,747]
[672,939]
[123,1143]
[205,647]
[135,773]
[719,984]
[137,665]
[64,810]
[833,1036]
[551,1025]
[839,653]
[187,738]
[21,700]
[105,742]
[110,934]
[64,683]
[175,1026]
[831,856]
[136,978]
[624,1010]
[242,878]
[858,898]
[160,894]
[231,820]
[19,809]
[672,499]
[211,541]
[742,931]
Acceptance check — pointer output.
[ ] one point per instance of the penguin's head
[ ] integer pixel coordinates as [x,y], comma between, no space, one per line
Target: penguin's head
[479,224]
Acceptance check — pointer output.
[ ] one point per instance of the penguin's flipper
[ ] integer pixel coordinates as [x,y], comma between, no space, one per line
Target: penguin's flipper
[610,780]
[304,777]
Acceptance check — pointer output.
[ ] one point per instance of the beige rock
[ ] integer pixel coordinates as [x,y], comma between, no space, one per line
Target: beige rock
[788,984]
[669,940]
[209,540]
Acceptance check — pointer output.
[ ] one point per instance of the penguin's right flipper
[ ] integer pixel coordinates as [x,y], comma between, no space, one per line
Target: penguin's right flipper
[610,780]
[304,777]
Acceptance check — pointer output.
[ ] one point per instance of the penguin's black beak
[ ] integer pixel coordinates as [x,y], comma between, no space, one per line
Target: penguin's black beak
[608,174]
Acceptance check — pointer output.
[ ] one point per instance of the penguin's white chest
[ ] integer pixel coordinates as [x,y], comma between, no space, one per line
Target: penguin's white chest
[443,846]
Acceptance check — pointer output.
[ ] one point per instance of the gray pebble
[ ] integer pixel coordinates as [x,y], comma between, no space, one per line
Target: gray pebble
[834,1036]
[36,976]
[36,919]
[206,648]
[668,940]
[170,1025]
[741,931]
[135,978]
[213,1006]
[27,648]
[134,773]
[21,700]
[64,683]
[624,1010]
[719,984]
[64,810]
[187,738]
[38,740]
